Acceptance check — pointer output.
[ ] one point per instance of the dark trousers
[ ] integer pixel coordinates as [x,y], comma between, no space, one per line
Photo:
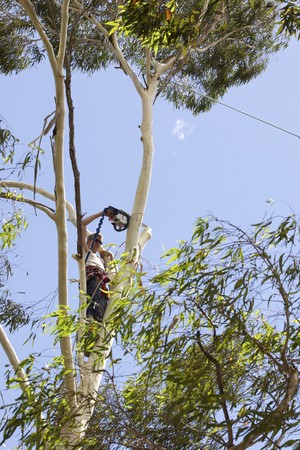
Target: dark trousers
[98,302]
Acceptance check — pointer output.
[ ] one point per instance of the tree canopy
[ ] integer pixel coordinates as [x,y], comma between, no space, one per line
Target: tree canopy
[206,46]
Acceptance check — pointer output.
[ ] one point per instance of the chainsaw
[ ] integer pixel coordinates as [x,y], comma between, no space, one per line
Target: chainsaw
[118,218]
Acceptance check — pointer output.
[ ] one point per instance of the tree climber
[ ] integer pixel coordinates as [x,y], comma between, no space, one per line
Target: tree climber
[96,259]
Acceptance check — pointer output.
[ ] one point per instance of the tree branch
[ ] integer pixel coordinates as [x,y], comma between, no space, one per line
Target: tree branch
[221,388]
[124,64]
[63,35]
[21,199]
[30,10]
[13,359]
[21,185]
[218,41]
[253,436]
[115,48]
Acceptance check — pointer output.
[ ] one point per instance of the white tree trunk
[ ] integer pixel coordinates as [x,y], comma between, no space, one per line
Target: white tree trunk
[145,173]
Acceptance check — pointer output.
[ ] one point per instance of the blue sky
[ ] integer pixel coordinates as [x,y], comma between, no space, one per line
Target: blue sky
[221,162]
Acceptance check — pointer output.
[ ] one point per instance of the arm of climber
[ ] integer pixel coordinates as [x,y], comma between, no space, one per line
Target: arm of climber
[86,221]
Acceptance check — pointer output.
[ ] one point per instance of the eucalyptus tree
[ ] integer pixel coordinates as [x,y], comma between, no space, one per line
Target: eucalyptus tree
[178,50]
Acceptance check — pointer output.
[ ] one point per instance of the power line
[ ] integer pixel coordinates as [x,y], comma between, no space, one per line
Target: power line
[250,115]
[242,112]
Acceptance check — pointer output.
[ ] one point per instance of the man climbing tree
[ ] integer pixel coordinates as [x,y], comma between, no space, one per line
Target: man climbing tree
[96,259]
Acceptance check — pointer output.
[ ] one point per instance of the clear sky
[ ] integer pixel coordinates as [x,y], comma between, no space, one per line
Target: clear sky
[221,162]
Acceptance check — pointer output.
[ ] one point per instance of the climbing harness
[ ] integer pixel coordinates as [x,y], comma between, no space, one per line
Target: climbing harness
[101,279]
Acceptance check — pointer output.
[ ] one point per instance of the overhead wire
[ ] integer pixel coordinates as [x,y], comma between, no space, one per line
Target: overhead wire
[243,112]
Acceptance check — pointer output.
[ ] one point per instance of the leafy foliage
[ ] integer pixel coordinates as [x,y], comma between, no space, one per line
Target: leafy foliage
[231,53]
[7,144]
[12,314]
[216,336]
[216,45]
[12,227]
[290,18]
[152,22]
[41,410]
[19,48]
[12,160]
[40,413]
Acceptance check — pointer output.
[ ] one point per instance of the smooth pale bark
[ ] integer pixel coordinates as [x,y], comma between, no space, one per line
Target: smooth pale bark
[23,381]
[145,172]
[30,187]
[14,360]
[57,63]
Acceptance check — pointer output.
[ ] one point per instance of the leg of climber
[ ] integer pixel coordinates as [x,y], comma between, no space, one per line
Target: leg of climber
[98,303]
